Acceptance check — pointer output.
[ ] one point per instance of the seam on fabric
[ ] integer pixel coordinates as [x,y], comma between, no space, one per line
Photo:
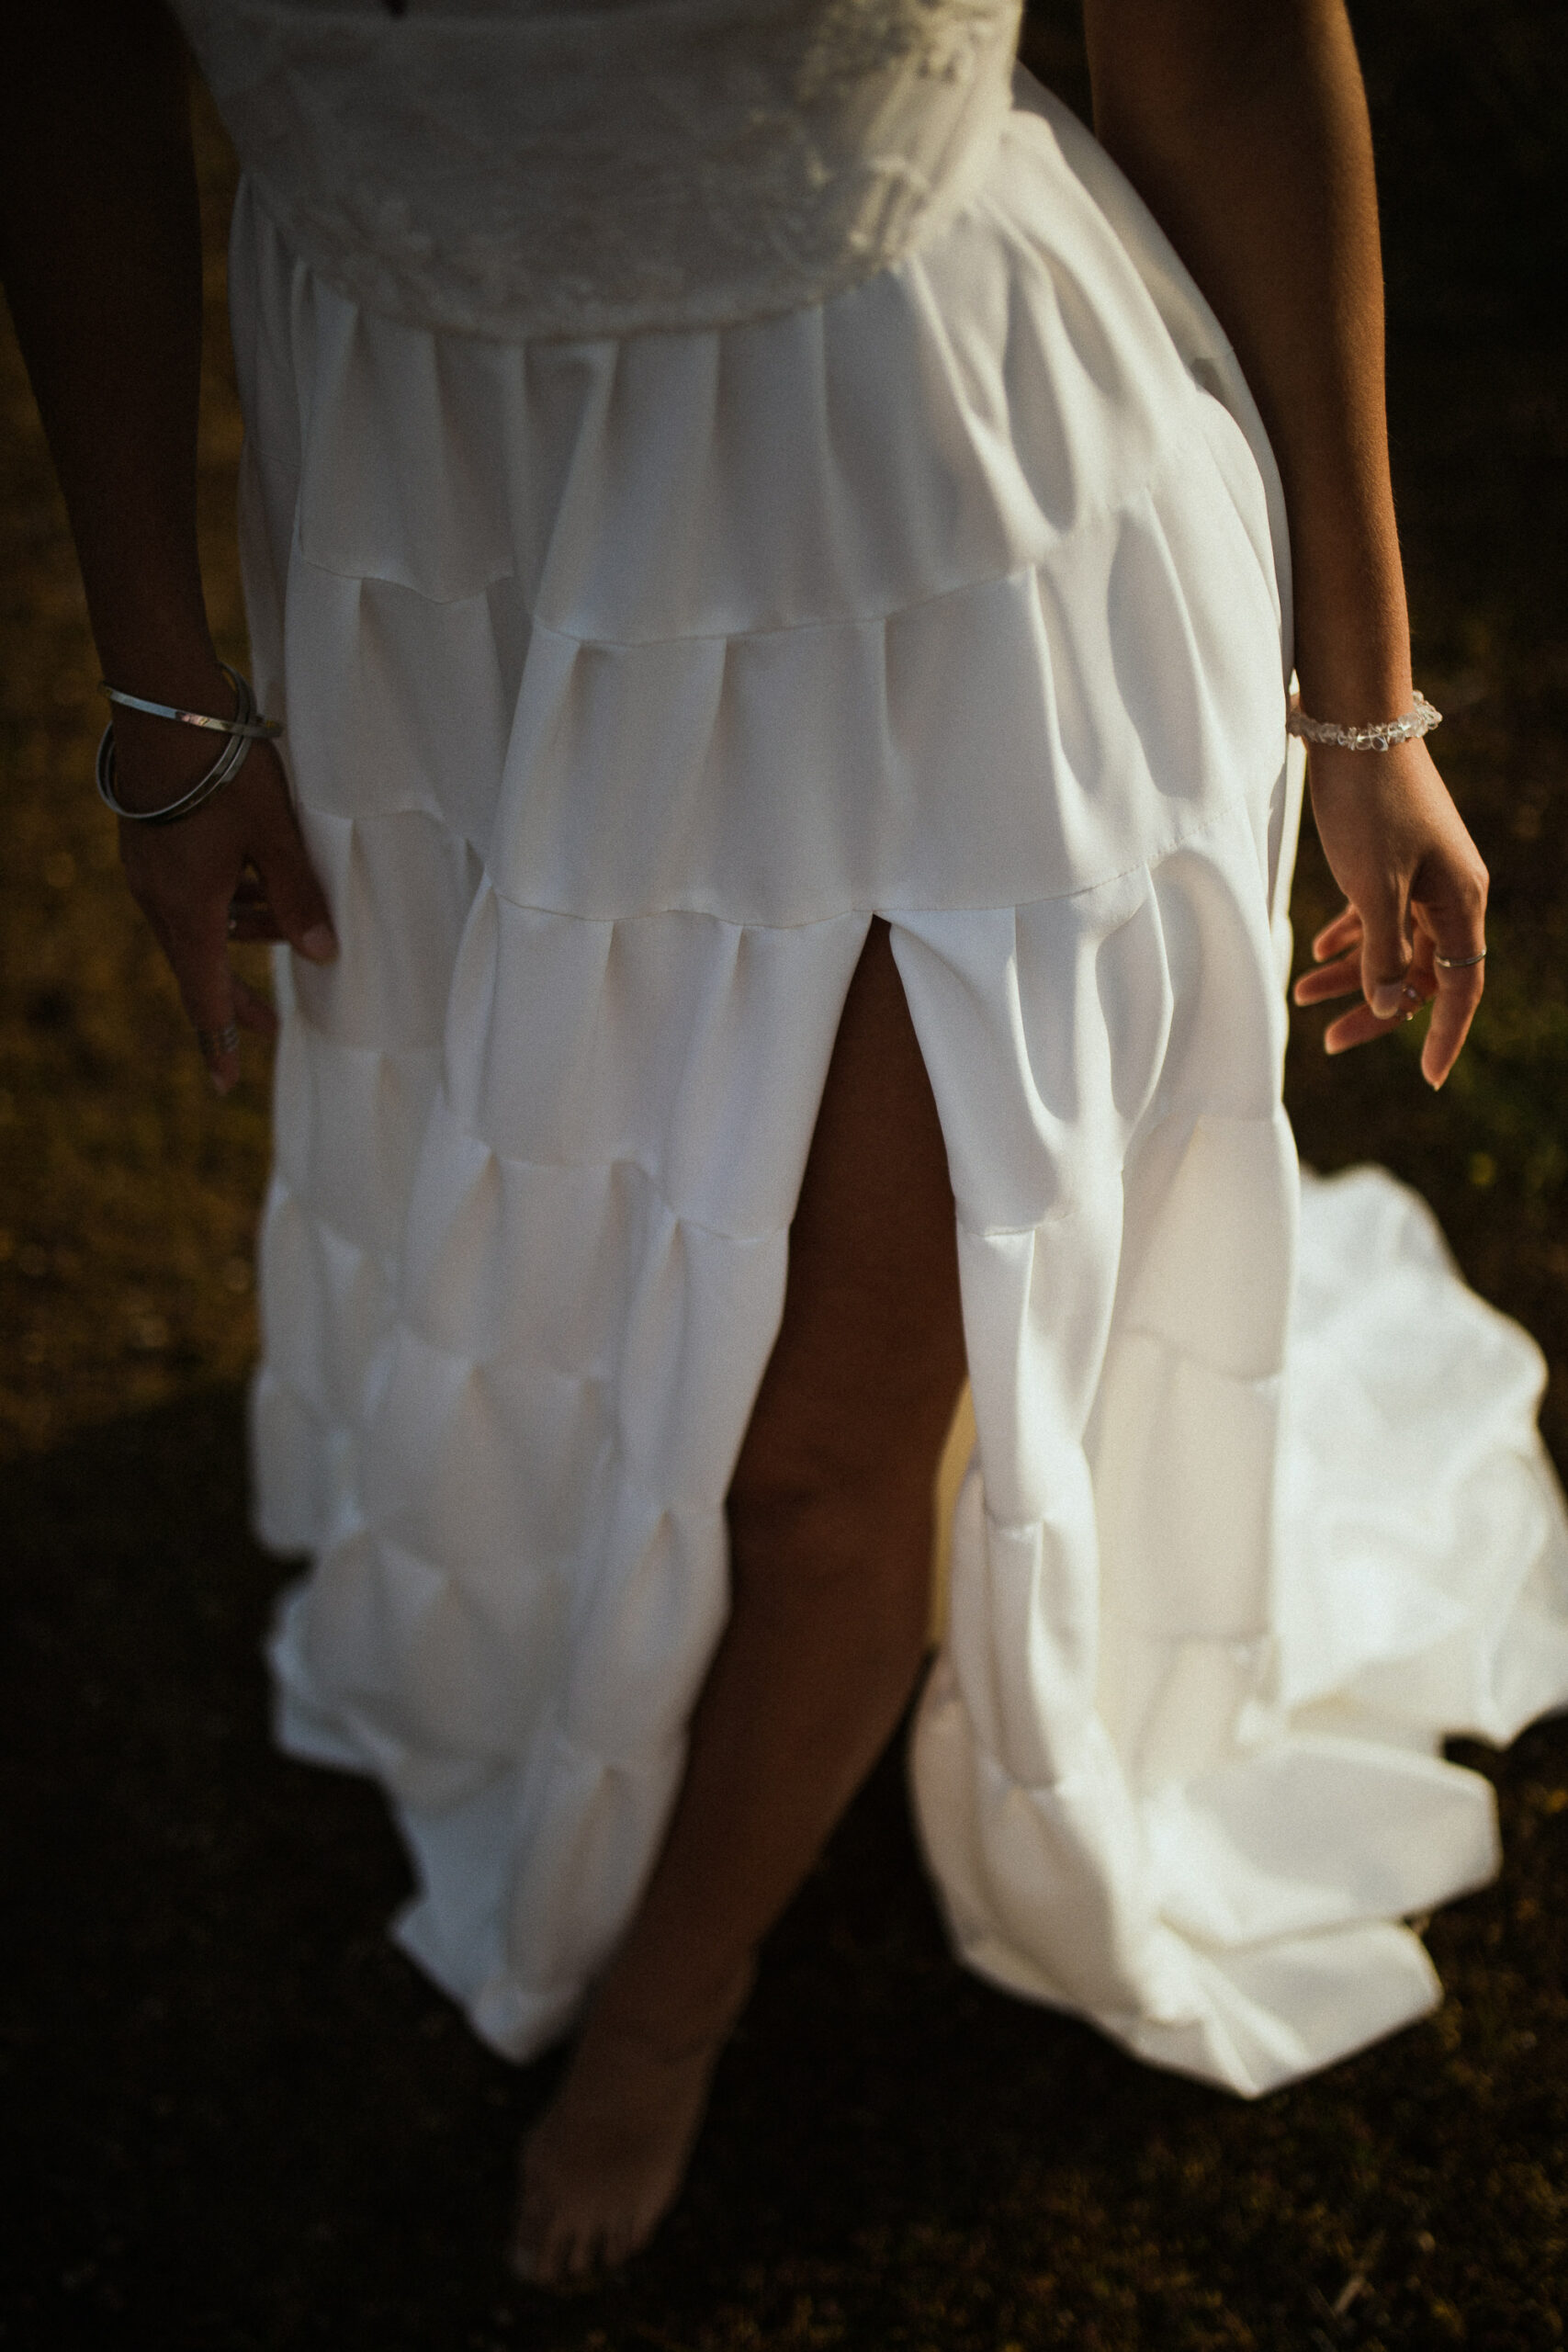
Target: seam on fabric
[621,1159]
[889,912]
[606,1761]
[1078,1772]
[296,1011]
[1022,1232]
[1263,1638]
[1205,1363]
[1174,458]
[386,1261]
[540,1364]
[679,915]
[301,1199]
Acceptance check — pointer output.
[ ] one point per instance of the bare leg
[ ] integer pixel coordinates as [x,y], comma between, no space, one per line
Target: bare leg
[830,1519]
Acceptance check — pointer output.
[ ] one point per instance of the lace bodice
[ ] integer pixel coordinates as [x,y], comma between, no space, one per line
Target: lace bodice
[600,166]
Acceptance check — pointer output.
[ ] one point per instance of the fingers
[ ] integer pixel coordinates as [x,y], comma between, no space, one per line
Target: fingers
[1337,953]
[1344,952]
[1340,948]
[184,890]
[197,954]
[1450,943]
[252,1012]
[1452,988]
[1458,992]
[251,917]
[237,870]
[1335,937]
[1340,977]
[289,891]
[1386,954]
[1342,942]
[1359,1027]
[219,1003]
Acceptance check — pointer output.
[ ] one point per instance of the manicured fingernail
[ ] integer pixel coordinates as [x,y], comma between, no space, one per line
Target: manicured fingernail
[1388,999]
[320,943]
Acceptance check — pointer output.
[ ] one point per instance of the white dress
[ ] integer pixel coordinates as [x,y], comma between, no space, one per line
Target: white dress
[719,469]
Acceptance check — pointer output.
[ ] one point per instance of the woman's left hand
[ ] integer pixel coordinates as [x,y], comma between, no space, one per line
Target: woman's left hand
[1416,894]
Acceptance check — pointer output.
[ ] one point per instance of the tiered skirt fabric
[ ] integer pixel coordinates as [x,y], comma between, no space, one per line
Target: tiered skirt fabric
[624,680]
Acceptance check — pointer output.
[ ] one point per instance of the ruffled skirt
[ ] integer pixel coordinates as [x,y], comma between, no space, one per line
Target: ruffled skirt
[624,680]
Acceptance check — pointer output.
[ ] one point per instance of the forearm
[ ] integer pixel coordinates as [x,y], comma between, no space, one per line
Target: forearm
[100,246]
[1243,123]
[100,249]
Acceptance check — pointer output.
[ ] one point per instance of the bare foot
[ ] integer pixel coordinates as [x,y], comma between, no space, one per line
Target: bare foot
[604,2162]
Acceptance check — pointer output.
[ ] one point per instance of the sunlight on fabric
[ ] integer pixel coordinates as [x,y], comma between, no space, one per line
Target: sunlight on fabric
[950,1472]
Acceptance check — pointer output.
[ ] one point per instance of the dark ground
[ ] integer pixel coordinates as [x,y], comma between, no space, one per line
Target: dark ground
[238,2117]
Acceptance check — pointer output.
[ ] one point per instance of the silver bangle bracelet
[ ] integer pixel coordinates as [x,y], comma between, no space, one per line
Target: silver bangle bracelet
[1419,719]
[256,728]
[245,728]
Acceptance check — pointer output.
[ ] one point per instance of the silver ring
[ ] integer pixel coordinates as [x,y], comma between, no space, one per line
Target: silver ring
[1457,963]
[213,1042]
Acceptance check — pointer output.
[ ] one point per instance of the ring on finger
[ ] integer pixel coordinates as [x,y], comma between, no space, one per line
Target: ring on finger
[1458,963]
[214,1042]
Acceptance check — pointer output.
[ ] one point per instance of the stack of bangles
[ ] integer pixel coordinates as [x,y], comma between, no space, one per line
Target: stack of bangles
[246,727]
[1382,736]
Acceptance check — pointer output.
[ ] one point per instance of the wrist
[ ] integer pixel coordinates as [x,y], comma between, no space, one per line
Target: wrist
[157,760]
[1352,635]
[1354,696]
[1352,656]
[178,664]
[1416,720]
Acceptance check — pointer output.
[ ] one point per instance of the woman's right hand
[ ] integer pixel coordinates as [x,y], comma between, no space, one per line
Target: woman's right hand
[237,869]
[100,246]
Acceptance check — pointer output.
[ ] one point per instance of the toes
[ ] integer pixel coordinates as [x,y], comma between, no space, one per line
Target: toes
[623,2242]
[538,2261]
[549,2251]
[582,2254]
[528,2255]
[562,2253]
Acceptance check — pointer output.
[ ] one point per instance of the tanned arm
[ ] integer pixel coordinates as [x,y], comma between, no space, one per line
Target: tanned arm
[101,256]
[1243,124]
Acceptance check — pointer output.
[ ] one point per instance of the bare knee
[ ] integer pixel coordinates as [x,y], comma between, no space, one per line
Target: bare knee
[845,1545]
[830,1506]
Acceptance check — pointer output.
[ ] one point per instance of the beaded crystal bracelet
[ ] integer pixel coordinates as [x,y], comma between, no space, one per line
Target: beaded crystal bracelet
[1419,719]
